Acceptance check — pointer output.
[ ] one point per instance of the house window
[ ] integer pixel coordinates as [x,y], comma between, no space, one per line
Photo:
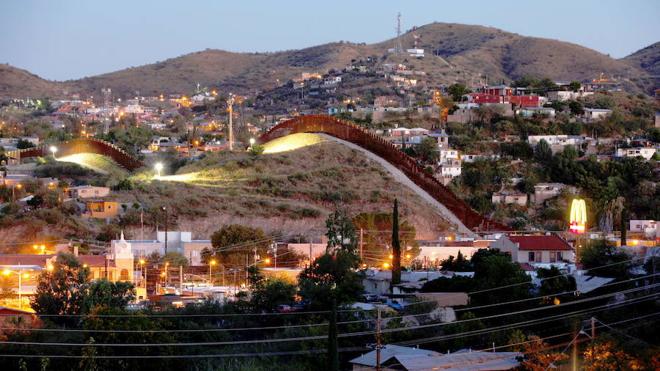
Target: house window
[531,256]
[560,257]
[553,256]
[123,276]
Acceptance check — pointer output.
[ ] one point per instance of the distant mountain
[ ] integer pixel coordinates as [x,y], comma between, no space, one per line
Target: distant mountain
[18,83]
[455,52]
[647,59]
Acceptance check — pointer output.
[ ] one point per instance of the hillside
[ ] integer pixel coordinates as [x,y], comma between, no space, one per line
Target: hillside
[18,83]
[647,59]
[291,189]
[455,52]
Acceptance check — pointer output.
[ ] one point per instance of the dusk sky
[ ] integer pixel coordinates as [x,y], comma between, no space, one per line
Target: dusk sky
[69,39]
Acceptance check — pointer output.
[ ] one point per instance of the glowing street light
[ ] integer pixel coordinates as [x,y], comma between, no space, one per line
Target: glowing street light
[386,265]
[252,141]
[159,168]
[21,276]
[212,262]
[53,150]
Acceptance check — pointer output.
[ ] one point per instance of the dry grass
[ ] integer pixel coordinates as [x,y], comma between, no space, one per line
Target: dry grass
[289,192]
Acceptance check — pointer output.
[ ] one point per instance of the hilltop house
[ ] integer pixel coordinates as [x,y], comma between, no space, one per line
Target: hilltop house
[645,152]
[88,191]
[509,198]
[595,114]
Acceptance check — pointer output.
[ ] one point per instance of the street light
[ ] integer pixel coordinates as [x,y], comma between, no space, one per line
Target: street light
[7,272]
[13,193]
[159,167]
[53,150]
[252,141]
[212,262]
[144,270]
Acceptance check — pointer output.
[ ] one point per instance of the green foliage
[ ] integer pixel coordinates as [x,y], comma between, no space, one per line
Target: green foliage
[574,86]
[376,237]
[331,276]
[24,144]
[543,152]
[598,253]
[554,282]
[457,91]
[428,150]
[518,150]
[66,289]
[256,150]
[341,232]
[457,264]
[271,293]
[232,242]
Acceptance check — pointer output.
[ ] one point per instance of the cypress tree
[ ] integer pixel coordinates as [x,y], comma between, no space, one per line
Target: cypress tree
[396,245]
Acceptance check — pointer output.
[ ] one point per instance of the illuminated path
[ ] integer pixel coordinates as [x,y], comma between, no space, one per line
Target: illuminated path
[410,173]
[80,146]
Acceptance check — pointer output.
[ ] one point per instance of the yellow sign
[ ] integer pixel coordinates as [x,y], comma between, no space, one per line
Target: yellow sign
[578,220]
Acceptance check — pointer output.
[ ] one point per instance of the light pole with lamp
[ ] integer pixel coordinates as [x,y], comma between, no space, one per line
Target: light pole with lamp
[13,194]
[21,275]
[212,262]
[159,168]
[53,150]
[144,272]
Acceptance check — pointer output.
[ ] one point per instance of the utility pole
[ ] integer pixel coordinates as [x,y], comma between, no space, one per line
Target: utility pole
[333,351]
[166,217]
[361,243]
[181,279]
[593,328]
[230,109]
[378,341]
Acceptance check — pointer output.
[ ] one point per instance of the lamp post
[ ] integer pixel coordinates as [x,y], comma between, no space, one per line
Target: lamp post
[13,194]
[252,141]
[21,275]
[144,272]
[159,168]
[53,150]
[166,222]
[212,262]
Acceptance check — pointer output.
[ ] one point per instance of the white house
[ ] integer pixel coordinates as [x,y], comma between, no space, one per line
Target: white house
[177,241]
[648,227]
[88,191]
[544,191]
[561,96]
[509,198]
[543,249]
[645,152]
[595,114]
[449,155]
[531,111]
[473,158]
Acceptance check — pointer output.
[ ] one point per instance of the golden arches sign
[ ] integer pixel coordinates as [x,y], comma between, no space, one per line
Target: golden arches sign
[578,219]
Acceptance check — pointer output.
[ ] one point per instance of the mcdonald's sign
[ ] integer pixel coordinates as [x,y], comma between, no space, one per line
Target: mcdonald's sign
[578,220]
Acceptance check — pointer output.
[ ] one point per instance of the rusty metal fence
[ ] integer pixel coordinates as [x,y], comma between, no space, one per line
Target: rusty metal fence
[81,145]
[350,132]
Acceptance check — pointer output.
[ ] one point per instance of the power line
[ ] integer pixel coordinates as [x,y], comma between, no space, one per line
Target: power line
[352,334]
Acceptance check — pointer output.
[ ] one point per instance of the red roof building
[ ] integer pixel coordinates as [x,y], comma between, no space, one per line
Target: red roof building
[543,249]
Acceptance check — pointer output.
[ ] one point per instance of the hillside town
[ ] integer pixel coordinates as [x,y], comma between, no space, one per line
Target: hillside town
[374,216]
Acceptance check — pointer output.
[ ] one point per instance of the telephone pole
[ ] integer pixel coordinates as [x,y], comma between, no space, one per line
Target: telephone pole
[378,346]
[230,109]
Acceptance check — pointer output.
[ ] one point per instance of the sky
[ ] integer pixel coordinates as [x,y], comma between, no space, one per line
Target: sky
[70,39]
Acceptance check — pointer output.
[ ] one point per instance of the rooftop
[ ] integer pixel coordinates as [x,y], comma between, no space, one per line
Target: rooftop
[547,242]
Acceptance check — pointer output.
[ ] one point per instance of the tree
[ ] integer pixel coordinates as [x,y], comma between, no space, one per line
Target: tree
[537,356]
[428,150]
[543,152]
[61,290]
[606,356]
[331,275]
[272,293]
[24,144]
[574,86]
[599,253]
[396,246]
[255,277]
[554,282]
[108,294]
[376,237]
[340,232]
[458,264]
[457,91]
[233,242]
